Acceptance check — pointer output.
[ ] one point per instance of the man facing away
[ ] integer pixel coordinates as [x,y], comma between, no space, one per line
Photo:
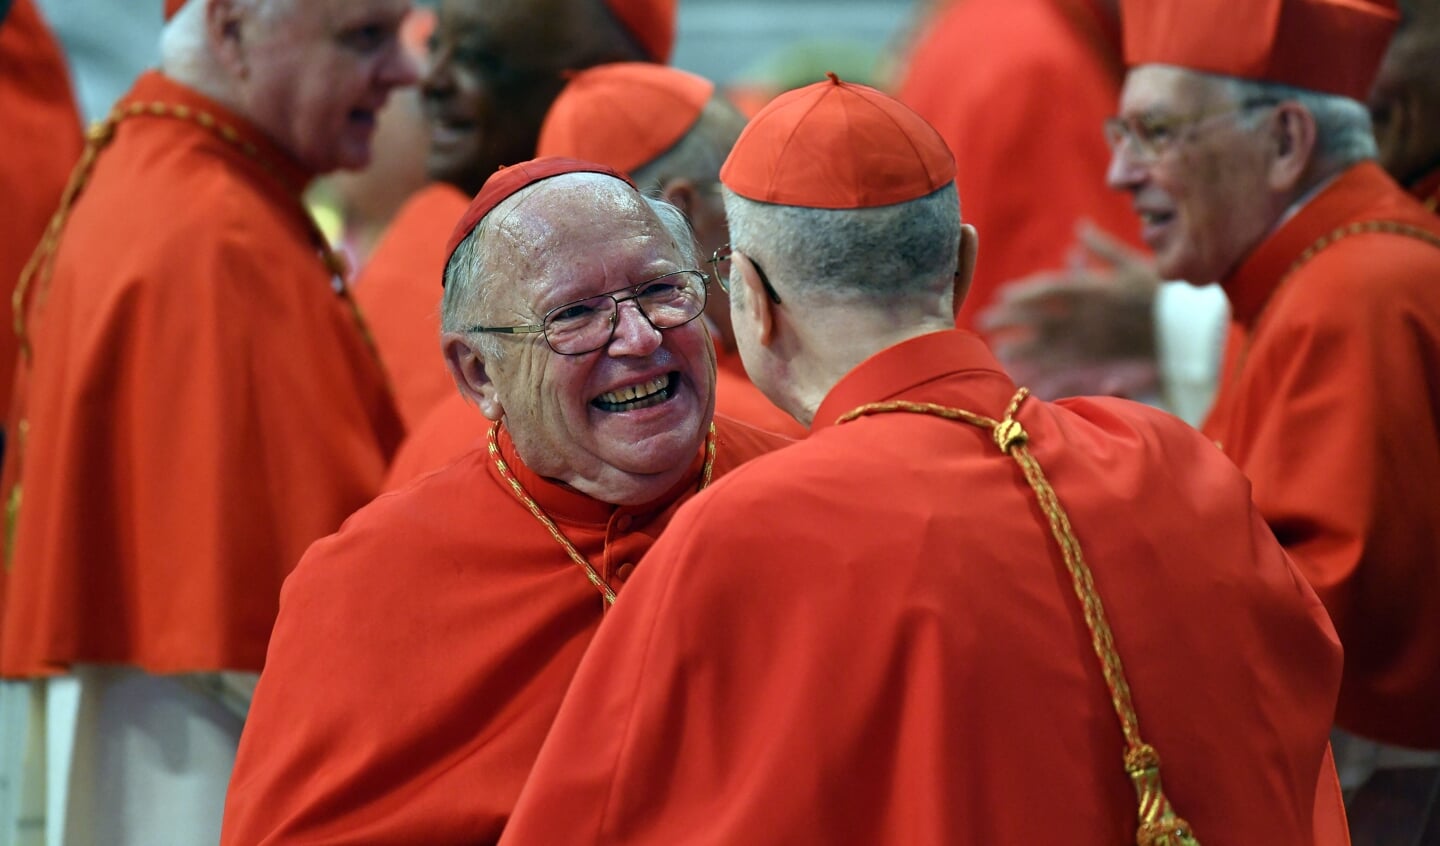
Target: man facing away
[197,404]
[495,67]
[422,651]
[954,613]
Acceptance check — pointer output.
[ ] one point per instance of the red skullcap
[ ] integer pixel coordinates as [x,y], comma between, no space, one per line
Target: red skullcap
[837,145]
[650,22]
[508,181]
[624,115]
[1329,46]
[171,7]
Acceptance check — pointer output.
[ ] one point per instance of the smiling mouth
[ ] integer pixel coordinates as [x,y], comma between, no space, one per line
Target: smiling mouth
[636,397]
[1155,218]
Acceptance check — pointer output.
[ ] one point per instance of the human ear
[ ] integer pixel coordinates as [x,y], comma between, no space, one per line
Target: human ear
[1292,145]
[224,30]
[965,265]
[467,367]
[755,304]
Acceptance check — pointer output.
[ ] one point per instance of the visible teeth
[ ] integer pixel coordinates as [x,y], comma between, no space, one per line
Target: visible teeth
[635,391]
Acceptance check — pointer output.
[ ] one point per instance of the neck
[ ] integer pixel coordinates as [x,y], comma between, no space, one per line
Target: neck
[832,341]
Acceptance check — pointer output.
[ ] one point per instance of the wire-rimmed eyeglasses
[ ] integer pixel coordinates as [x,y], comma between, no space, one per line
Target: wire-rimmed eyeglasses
[1151,135]
[583,326]
[723,255]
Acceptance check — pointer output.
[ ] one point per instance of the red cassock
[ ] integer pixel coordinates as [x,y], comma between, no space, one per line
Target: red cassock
[870,637]
[1019,90]
[399,293]
[42,143]
[422,652]
[1427,190]
[1330,403]
[201,404]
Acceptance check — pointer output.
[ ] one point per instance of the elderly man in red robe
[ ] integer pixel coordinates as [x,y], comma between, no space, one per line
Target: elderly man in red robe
[670,132]
[495,68]
[1252,163]
[196,404]
[422,651]
[954,613]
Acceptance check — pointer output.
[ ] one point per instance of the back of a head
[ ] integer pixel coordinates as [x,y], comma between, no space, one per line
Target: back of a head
[631,115]
[843,190]
[1405,101]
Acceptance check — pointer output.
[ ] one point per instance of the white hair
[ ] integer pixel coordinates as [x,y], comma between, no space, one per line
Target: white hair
[904,250]
[1343,133]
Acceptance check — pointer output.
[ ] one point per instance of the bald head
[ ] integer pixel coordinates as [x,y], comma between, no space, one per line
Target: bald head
[1405,100]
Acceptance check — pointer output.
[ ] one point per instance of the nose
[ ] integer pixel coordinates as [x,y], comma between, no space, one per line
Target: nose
[1125,172]
[634,333]
[438,77]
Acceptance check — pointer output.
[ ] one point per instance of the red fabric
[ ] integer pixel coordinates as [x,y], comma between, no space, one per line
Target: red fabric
[869,637]
[171,7]
[421,653]
[396,293]
[623,114]
[42,143]
[737,397]
[450,429]
[1333,46]
[1427,190]
[1330,401]
[1027,171]
[509,181]
[837,145]
[202,406]
[650,22]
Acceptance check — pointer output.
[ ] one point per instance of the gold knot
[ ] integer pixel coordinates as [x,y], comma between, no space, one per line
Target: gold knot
[1171,832]
[1009,433]
[101,131]
[1141,758]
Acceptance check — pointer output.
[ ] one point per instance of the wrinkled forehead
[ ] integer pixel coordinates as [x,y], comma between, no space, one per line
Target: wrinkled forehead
[576,221]
[1166,89]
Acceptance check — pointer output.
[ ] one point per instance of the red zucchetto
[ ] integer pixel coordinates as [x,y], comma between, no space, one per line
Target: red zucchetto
[837,145]
[624,114]
[508,181]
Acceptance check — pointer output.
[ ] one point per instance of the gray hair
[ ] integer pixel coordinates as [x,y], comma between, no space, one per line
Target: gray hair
[1343,134]
[184,46]
[469,280]
[896,251]
[698,155]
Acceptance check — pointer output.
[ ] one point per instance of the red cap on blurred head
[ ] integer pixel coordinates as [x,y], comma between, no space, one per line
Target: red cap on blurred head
[624,115]
[171,7]
[1329,46]
[837,145]
[650,22]
[508,181]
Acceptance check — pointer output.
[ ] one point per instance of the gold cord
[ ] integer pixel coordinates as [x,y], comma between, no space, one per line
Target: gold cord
[525,499]
[37,270]
[1158,823]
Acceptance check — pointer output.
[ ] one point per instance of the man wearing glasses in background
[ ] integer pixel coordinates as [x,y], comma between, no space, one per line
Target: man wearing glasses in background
[422,651]
[1244,143]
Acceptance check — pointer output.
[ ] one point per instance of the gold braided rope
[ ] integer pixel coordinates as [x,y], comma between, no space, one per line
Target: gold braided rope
[1339,233]
[526,500]
[1158,823]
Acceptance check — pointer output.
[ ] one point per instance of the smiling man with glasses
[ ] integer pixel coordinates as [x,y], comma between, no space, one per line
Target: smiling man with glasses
[421,653]
[1328,399]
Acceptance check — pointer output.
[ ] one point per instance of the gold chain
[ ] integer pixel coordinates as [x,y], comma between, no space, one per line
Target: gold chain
[1339,233]
[97,138]
[525,499]
[1158,823]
